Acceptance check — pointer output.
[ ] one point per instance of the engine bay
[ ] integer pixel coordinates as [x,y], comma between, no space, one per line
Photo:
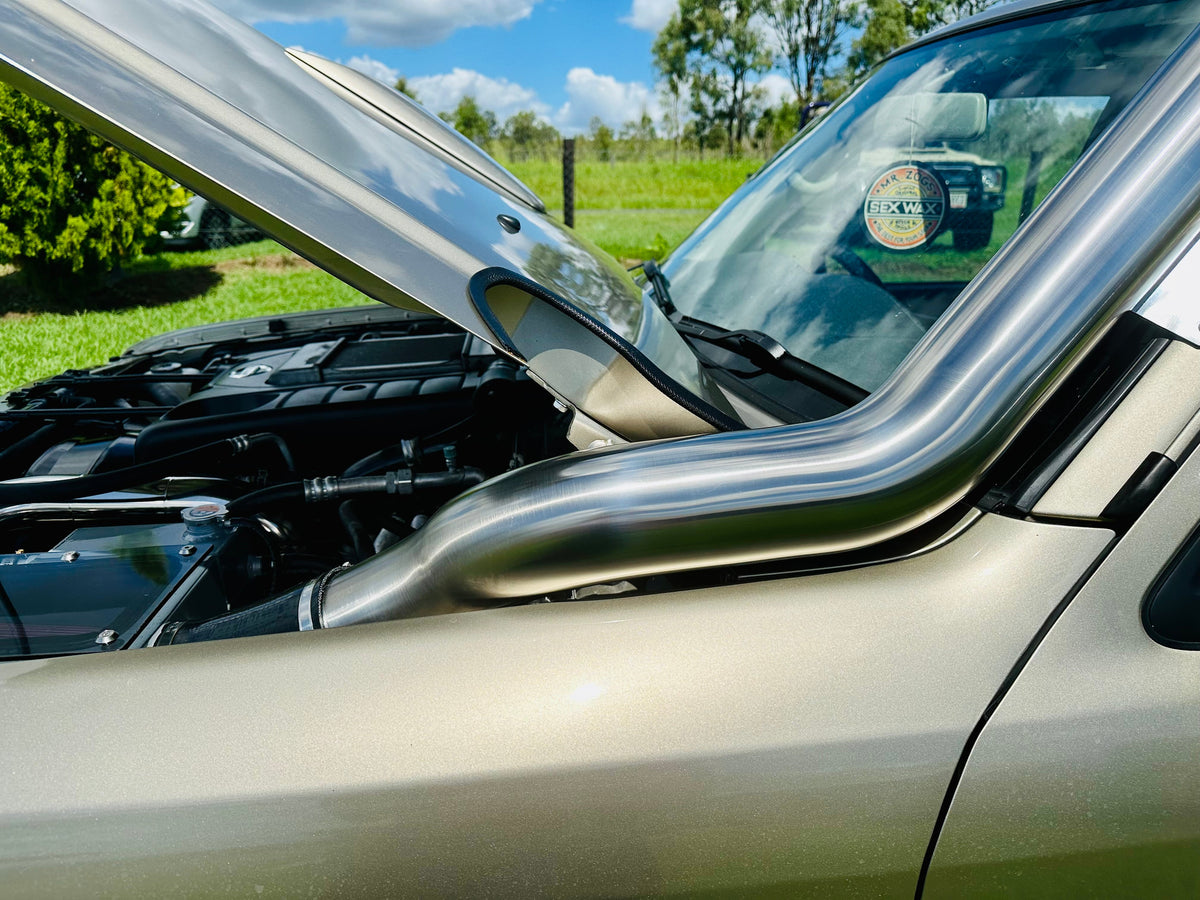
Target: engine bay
[206,470]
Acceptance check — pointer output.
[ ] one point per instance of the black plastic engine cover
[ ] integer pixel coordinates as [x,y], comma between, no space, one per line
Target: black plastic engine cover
[326,395]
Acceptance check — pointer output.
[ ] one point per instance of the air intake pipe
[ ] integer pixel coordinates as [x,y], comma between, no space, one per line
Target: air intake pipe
[906,454]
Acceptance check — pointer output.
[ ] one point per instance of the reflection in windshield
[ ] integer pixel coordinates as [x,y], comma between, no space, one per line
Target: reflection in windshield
[851,243]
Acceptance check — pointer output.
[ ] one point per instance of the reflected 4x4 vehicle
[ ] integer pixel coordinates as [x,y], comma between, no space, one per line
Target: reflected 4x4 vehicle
[974,188]
[797,565]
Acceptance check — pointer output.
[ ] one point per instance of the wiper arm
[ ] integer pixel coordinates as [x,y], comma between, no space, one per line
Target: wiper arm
[662,288]
[772,357]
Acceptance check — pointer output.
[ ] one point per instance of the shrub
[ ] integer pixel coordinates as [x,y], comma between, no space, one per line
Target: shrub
[72,207]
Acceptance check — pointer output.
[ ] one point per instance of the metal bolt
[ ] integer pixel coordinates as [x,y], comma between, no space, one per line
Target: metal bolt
[70,556]
[106,637]
[187,550]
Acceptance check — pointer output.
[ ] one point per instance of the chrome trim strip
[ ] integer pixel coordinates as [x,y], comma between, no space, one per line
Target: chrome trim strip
[305,607]
[83,510]
[909,452]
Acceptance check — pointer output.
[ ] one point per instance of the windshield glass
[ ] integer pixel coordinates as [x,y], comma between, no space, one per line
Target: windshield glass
[854,239]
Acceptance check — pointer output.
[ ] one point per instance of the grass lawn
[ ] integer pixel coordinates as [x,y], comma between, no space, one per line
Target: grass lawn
[634,210]
[639,184]
[174,290]
[158,293]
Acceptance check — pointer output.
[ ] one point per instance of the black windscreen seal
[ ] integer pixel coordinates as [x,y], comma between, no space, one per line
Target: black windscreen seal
[494,276]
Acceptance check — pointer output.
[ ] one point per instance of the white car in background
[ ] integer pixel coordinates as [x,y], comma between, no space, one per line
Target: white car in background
[207,225]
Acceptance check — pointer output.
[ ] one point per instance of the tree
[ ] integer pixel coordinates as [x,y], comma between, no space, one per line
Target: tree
[639,135]
[72,207]
[401,85]
[890,24]
[475,124]
[672,117]
[670,58]
[716,46]
[926,15]
[524,134]
[600,136]
[886,29]
[776,126]
[807,33]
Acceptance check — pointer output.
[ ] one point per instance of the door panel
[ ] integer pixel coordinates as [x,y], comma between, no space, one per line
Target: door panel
[1086,780]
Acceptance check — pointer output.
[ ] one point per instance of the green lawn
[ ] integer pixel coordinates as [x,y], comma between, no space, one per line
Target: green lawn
[639,184]
[158,294]
[632,209]
[174,290]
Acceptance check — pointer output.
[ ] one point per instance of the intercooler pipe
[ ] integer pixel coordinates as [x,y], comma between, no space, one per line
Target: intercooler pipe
[908,453]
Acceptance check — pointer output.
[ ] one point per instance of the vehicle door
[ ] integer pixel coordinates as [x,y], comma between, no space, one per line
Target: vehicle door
[1085,780]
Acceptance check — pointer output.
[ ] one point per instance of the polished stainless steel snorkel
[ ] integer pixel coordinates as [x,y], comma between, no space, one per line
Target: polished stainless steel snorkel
[903,456]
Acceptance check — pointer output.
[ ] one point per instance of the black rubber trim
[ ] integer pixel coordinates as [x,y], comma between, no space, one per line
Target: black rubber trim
[1140,488]
[1001,692]
[1048,443]
[274,616]
[491,277]
[1029,493]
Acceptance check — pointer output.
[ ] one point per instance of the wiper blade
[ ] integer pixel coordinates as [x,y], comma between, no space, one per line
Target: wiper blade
[772,357]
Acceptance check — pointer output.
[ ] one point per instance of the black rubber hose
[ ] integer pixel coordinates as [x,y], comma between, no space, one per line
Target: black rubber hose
[281,447]
[132,476]
[247,504]
[359,536]
[460,478]
[18,456]
[380,461]
[394,483]
[278,615]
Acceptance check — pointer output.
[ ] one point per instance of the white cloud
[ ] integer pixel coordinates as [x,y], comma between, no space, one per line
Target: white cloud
[650,15]
[615,102]
[405,23]
[441,93]
[373,68]
[776,89]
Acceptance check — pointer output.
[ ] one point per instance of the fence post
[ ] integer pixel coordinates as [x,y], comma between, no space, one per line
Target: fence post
[568,160]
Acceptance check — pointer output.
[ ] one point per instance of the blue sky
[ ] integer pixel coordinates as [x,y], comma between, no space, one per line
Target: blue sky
[568,60]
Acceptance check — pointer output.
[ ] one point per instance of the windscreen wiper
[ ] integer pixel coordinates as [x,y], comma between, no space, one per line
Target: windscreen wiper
[772,357]
[662,287]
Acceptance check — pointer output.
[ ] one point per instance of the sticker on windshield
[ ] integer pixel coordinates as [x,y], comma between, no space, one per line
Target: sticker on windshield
[905,207]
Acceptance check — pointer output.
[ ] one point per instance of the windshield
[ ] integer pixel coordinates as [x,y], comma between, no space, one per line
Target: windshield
[857,237]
